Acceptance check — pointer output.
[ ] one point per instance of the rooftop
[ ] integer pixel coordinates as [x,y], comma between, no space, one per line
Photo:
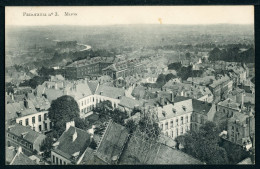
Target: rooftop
[94,60]
[112,142]
[67,147]
[22,159]
[230,104]
[109,91]
[29,135]
[129,102]
[219,81]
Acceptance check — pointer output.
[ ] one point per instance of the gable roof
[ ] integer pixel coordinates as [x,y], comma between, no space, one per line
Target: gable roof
[109,91]
[112,142]
[201,106]
[67,147]
[9,154]
[129,102]
[139,151]
[30,135]
[93,85]
[22,159]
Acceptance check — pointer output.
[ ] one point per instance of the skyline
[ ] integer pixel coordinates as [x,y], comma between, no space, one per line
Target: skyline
[122,15]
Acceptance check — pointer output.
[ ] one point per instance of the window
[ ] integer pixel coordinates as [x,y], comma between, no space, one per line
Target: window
[162,126]
[93,99]
[45,126]
[232,127]
[64,162]
[237,129]
[57,160]
[40,127]
[181,130]
[187,119]
[26,122]
[33,120]
[26,144]
[176,131]
[82,103]
[181,120]
[39,118]
[45,116]
[171,124]
[21,122]
[172,133]
[177,122]
[166,125]
[53,159]
[60,162]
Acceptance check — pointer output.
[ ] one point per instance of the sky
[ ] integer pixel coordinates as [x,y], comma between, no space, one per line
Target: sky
[115,15]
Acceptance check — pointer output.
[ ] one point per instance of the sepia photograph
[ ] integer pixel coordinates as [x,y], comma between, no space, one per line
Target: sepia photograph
[130,85]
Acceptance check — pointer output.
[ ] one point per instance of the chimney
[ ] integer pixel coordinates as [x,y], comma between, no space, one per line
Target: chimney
[74,136]
[12,96]
[23,134]
[26,103]
[68,124]
[101,92]
[19,150]
[172,97]
[162,101]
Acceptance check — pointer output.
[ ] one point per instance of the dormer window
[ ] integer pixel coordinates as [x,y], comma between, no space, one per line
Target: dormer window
[174,110]
[184,108]
[164,113]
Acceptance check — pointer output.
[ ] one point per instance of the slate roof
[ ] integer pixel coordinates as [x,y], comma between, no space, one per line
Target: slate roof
[139,151]
[13,108]
[93,86]
[219,81]
[88,158]
[230,104]
[112,142]
[67,147]
[109,91]
[9,154]
[201,106]
[22,159]
[30,136]
[130,103]
[178,107]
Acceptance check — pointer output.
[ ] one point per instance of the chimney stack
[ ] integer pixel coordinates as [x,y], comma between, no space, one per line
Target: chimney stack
[74,136]
[162,101]
[172,97]
[26,103]
[69,124]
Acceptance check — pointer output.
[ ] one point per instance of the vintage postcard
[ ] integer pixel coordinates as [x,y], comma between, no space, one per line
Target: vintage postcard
[135,85]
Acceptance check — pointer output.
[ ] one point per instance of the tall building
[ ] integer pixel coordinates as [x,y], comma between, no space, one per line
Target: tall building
[84,68]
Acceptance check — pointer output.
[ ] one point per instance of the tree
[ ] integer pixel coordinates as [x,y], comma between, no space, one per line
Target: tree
[118,116]
[46,147]
[61,111]
[169,77]
[131,126]
[204,144]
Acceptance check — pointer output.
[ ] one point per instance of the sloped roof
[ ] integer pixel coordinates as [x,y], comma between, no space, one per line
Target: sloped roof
[129,102]
[9,154]
[88,158]
[230,104]
[246,161]
[109,91]
[112,142]
[139,151]
[92,86]
[178,107]
[30,135]
[22,159]
[67,147]
[201,106]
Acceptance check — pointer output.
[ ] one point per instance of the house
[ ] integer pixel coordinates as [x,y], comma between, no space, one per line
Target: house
[39,121]
[202,112]
[229,107]
[123,68]
[221,85]
[143,152]
[24,137]
[71,147]
[113,94]
[19,109]
[128,104]
[174,118]
[240,128]
[84,68]
[111,145]
[21,159]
